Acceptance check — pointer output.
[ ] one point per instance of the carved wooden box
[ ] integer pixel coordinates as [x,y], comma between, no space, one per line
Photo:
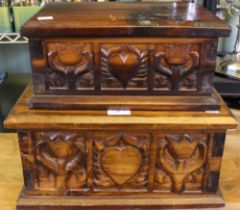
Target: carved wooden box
[139,57]
[124,51]
[150,160]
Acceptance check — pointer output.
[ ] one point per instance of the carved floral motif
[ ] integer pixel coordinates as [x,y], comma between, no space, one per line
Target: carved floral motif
[70,65]
[180,162]
[176,67]
[61,161]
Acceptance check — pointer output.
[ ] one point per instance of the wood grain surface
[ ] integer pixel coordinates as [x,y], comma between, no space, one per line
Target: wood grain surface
[11,175]
[22,117]
[126,19]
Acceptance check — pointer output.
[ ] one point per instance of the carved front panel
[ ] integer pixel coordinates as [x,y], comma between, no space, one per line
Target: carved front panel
[180,163]
[70,66]
[124,66]
[145,67]
[121,162]
[85,163]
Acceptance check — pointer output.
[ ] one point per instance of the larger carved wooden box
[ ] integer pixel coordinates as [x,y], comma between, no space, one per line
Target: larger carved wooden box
[143,49]
[150,160]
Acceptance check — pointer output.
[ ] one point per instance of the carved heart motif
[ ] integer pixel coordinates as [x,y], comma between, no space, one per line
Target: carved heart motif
[121,164]
[123,66]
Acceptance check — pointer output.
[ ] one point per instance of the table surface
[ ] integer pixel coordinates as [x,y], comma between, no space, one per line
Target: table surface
[11,175]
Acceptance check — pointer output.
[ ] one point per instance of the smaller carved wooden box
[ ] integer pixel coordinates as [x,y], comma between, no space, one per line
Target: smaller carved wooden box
[136,49]
[151,160]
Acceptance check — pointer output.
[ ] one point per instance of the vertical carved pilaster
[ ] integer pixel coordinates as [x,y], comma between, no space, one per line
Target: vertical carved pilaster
[27,157]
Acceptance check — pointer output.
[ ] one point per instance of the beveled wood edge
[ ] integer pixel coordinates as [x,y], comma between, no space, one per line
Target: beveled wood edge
[96,32]
[153,201]
[52,119]
[222,29]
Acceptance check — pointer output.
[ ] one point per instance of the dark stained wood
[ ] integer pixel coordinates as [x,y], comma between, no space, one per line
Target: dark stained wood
[125,19]
[141,103]
[136,49]
[66,68]
[143,66]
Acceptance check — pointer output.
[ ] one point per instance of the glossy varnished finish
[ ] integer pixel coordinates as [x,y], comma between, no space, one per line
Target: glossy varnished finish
[126,19]
[91,157]
[11,178]
[136,49]
[120,66]
[154,59]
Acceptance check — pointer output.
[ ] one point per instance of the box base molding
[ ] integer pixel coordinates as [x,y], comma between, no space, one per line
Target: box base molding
[142,103]
[165,201]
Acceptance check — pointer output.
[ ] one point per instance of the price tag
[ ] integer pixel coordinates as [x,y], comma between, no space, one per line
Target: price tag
[212,112]
[45,17]
[118,112]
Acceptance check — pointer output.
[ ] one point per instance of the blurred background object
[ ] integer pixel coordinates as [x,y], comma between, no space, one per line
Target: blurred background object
[227,80]
[230,63]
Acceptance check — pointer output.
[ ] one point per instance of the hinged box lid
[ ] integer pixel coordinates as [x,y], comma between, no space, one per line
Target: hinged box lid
[148,19]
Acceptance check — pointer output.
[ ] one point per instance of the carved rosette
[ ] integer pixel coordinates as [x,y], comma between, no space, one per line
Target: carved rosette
[176,67]
[70,66]
[61,162]
[124,66]
[121,162]
[181,159]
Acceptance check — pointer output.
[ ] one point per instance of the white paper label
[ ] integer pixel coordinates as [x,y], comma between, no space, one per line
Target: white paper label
[213,112]
[117,112]
[45,17]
